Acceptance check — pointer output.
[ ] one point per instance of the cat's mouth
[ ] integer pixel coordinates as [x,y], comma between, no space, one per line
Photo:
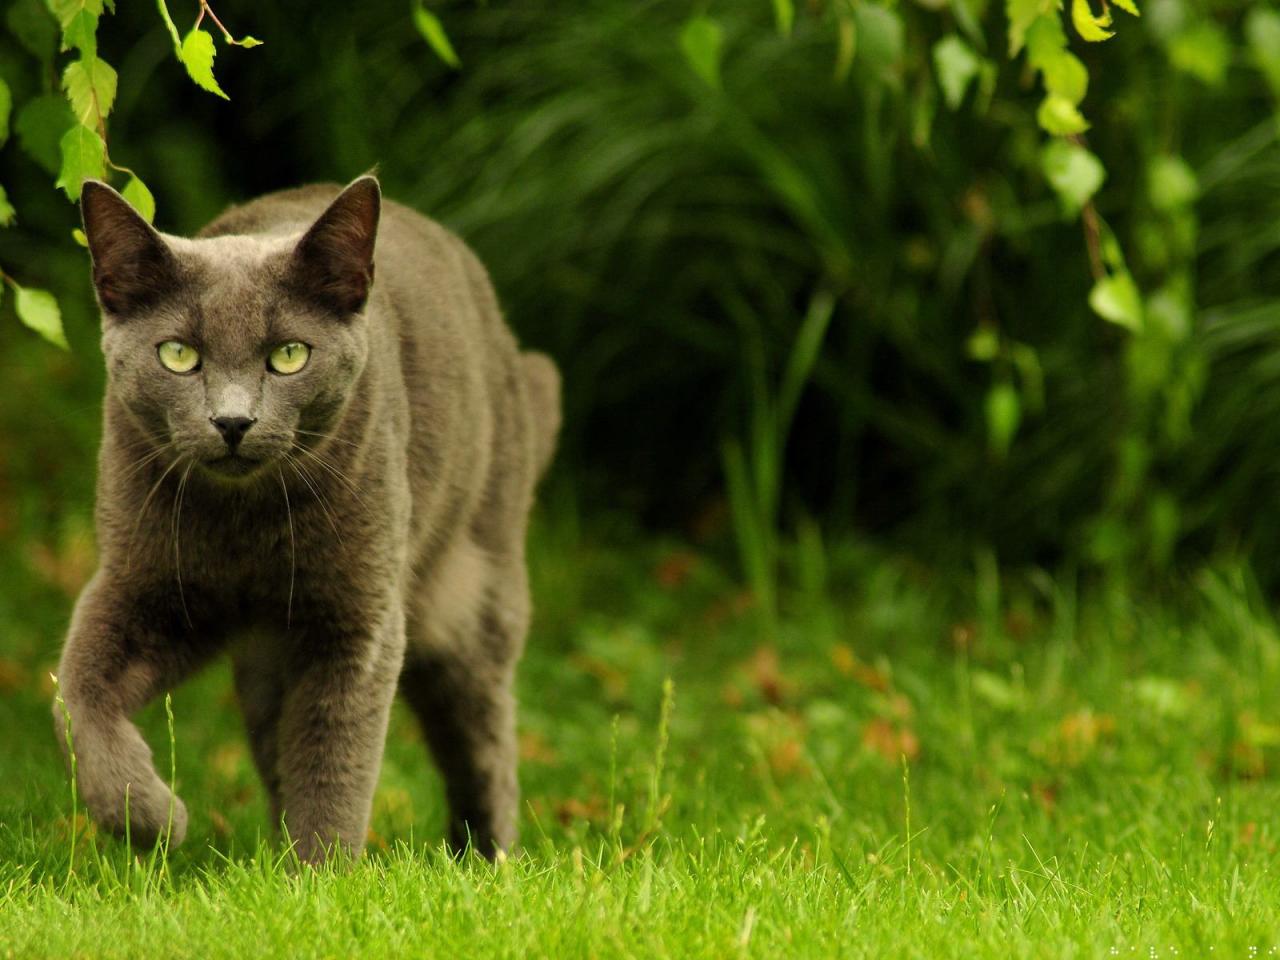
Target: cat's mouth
[233,465]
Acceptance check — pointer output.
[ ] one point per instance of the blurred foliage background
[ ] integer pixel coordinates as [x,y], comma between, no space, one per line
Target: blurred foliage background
[812,273]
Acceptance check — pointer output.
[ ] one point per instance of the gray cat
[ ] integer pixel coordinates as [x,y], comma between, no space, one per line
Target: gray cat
[325,476]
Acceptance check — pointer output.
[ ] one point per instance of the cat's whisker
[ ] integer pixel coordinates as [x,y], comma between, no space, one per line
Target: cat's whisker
[293,548]
[305,477]
[147,458]
[336,473]
[326,436]
[177,538]
[133,535]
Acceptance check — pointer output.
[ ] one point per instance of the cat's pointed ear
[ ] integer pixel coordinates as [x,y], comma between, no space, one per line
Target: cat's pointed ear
[333,262]
[132,265]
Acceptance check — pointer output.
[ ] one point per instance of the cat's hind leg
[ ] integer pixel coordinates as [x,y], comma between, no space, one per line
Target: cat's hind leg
[465,638]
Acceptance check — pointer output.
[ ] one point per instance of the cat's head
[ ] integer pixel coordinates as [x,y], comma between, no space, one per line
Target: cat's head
[234,349]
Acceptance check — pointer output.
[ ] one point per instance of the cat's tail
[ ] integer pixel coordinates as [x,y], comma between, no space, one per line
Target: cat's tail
[543,383]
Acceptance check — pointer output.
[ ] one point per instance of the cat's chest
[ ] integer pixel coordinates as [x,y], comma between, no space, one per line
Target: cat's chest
[261,552]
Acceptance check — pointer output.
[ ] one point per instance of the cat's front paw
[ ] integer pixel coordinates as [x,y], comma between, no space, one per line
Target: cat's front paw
[120,786]
[142,808]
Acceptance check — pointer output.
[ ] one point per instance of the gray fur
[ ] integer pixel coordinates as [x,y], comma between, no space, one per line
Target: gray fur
[372,534]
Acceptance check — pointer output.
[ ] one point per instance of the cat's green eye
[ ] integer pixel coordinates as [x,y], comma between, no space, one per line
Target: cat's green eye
[178,357]
[289,357]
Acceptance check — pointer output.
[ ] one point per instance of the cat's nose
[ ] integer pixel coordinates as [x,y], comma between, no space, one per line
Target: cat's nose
[233,429]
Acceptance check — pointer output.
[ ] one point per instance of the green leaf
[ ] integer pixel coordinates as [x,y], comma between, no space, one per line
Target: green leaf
[65,10]
[7,214]
[82,34]
[1030,373]
[6,108]
[1170,309]
[880,43]
[1262,30]
[846,46]
[1046,40]
[702,41]
[197,55]
[40,125]
[29,21]
[1004,413]
[140,198]
[1128,6]
[1087,24]
[1116,298]
[965,13]
[91,88]
[956,65]
[1203,51]
[1171,183]
[1021,14]
[983,344]
[83,158]
[1059,116]
[39,311]
[248,43]
[432,31]
[1065,76]
[784,15]
[1074,173]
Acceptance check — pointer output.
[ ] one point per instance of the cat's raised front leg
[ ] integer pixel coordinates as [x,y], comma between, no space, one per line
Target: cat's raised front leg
[123,649]
[333,727]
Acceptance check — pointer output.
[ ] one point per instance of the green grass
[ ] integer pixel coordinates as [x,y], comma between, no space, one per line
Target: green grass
[913,765]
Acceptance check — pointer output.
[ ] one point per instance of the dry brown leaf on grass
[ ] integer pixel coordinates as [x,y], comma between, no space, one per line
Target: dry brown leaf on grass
[1046,794]
[229,760]
[765,670]
[1076,736]
[221,825]
[614,681]
[1251,835]
[593,810]
[13,676]
[68,566]
[1019,624]
[732,696]
[673,570]
[535,749]
[846,661]
[779,739]
[890,741]
[760,674]
[787,759]
[84,828]
[1246,761]
[732,607]
[963,636]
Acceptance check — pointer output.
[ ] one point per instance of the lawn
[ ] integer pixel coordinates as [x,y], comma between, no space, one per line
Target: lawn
[908,764]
